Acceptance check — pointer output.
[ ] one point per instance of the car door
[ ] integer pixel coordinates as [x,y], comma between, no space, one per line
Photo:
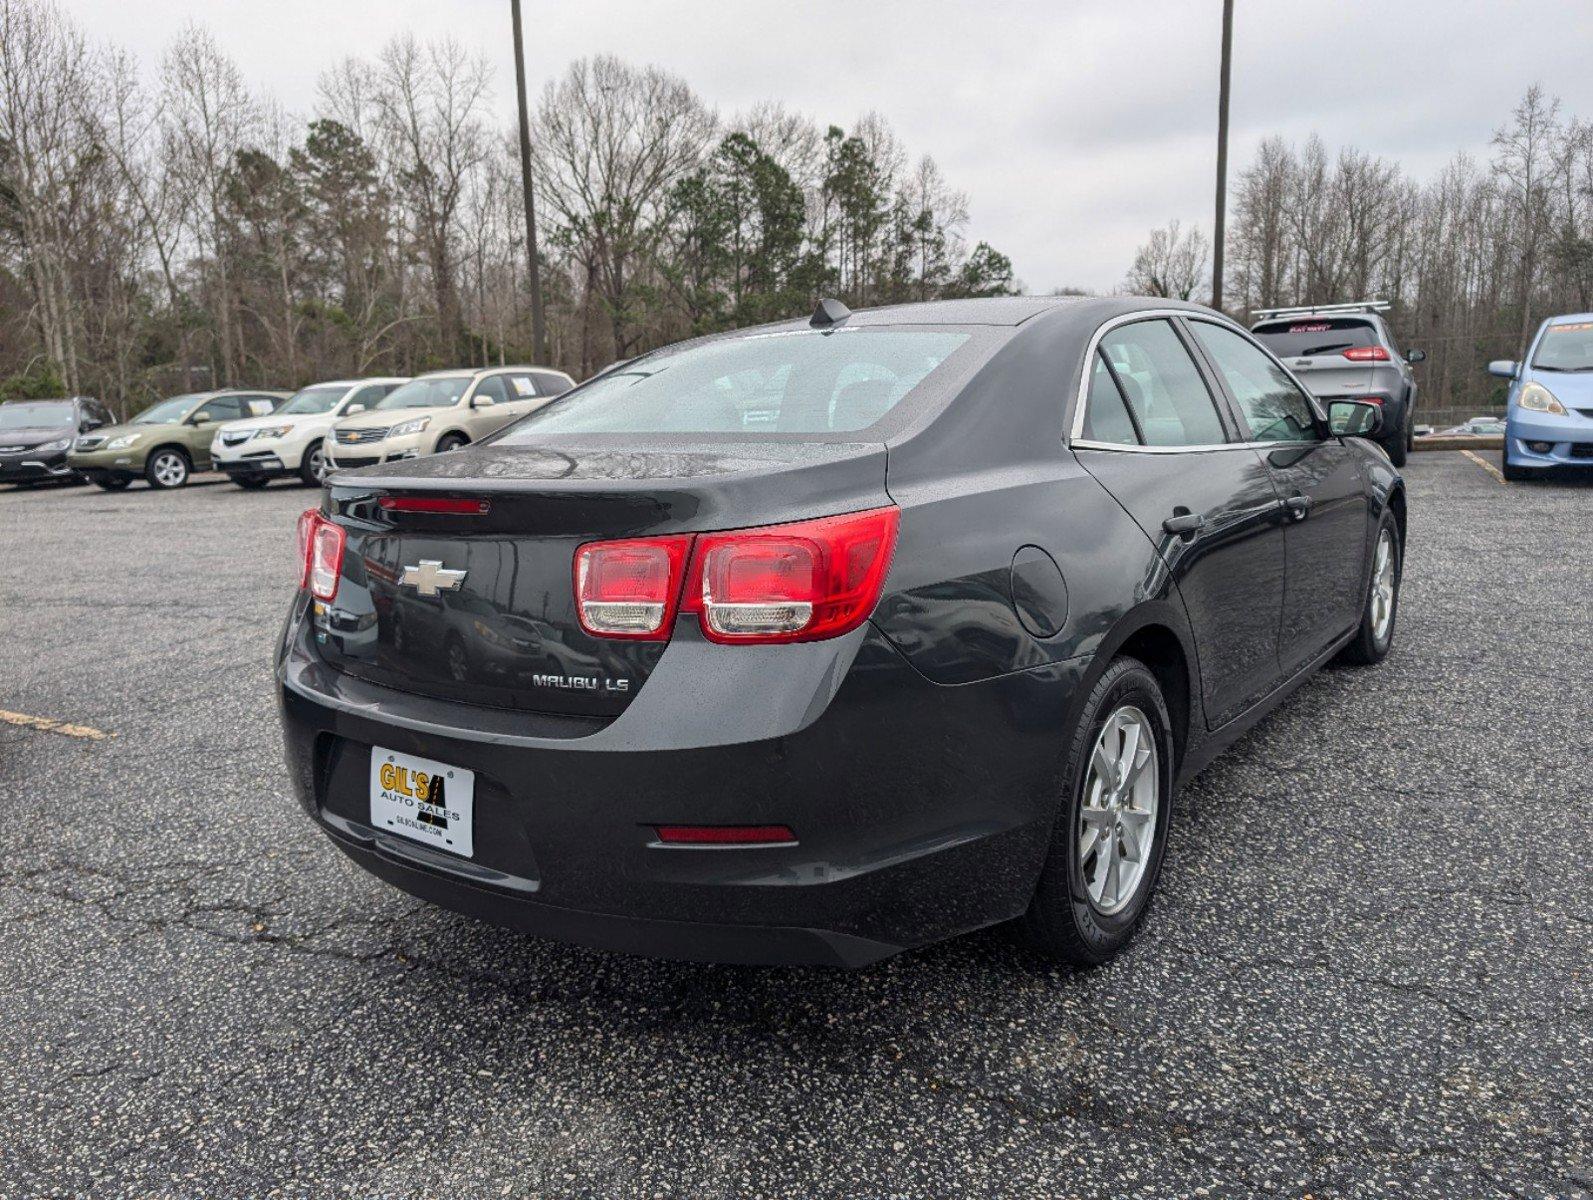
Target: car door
[1153,433]
[201,427]
[487,408]
[1318,478]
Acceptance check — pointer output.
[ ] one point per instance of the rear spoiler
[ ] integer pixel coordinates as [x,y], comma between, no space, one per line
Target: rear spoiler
[1322,310]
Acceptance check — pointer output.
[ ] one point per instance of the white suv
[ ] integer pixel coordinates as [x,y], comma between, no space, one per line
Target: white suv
[442,411]
[290,441]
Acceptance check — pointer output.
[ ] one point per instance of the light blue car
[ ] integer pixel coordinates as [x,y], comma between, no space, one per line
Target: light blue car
[1550,420]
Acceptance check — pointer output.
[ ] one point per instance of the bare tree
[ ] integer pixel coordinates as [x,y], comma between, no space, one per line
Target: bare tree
[1524,163]
[1171,263]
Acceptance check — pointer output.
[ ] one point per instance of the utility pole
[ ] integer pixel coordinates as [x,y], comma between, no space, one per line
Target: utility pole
[1220,233]
[539,332]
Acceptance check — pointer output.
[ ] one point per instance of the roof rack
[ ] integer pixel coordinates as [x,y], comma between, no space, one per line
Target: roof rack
[1322,310]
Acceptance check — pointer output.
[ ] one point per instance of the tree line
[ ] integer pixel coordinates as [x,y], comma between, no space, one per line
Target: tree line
[182,231]
[1471,260]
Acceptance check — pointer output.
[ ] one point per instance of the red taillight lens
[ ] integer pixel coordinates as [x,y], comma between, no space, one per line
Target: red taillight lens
[326,559]
[726,835]
[1377,400]
[1366,354]
[780,583]
[630,589]
[791,583]
[308,519]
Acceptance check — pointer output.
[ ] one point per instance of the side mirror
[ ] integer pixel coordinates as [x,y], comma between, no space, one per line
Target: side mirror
[1415,356]
[1353,418]
[1503,367]
[202,417]
[482,402]
[352,409]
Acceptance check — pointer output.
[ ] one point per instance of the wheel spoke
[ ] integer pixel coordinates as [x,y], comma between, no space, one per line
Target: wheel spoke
[1130,841]
[1130,751]
[1111,878]
[1096,818]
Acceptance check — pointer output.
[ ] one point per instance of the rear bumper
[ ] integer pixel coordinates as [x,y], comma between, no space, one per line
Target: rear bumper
[922,811]
[1560,441]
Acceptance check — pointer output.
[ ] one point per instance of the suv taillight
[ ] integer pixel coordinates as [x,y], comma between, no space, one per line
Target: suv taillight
[321,554]
[1367,354]
[800,582]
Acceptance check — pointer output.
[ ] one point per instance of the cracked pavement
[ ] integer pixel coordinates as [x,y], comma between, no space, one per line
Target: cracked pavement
[1366,973]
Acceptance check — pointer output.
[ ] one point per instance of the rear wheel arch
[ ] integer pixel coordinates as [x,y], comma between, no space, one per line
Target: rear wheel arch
[1396,505]
[1159,640]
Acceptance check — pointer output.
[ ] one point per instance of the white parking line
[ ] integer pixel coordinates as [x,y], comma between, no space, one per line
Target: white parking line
[50,725]
[1485,465]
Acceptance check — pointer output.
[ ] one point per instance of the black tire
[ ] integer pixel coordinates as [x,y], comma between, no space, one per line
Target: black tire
[1062,920]
[451,441]
[162,470]
[1369,647]
[112,485]
[251,483]
[307,470]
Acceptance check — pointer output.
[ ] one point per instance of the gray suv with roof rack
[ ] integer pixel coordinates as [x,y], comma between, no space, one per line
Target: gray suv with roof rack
[1347,352]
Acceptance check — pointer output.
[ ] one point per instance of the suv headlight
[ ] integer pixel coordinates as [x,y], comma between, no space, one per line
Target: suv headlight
[1537,398]
[52,447]
[123,442]
[274,431]
[408,427]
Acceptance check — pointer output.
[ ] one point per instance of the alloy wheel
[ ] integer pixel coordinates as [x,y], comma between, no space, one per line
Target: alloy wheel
[1117,819]
[1383,586]
[318,463]
[170,469]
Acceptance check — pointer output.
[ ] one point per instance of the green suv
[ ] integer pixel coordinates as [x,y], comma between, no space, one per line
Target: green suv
[166,442]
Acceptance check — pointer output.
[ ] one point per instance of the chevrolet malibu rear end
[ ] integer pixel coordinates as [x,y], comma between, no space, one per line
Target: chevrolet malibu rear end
[758,649]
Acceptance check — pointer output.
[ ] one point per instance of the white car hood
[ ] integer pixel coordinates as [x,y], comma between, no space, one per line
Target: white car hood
[299,421]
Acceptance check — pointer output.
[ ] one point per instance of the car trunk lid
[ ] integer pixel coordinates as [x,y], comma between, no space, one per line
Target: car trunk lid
[478,605]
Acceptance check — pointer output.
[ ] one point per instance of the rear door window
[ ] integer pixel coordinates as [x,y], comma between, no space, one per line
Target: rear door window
[1162,385]
[1274,410]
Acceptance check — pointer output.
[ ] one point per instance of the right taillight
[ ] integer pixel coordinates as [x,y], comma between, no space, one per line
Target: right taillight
[321,554]
[1367,354]
[800,582]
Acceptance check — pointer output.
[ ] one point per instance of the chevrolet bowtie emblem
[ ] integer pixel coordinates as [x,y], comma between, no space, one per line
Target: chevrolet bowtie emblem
[429,577]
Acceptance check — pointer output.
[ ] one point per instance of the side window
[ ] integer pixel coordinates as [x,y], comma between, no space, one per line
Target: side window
[550,384]
[1274,409]
[521,387]
[223,408]
[1162,385]
[367,397]
[1106,416]
[259,406]
[490,391]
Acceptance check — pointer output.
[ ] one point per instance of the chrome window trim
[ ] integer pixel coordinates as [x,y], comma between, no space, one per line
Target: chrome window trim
[1087,444]
[1076,433]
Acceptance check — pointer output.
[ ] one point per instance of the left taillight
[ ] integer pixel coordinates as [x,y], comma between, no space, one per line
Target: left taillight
[630,589]
[1367,354]
[320,554]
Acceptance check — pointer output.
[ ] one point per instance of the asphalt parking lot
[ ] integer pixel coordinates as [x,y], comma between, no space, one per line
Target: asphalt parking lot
[1367,972]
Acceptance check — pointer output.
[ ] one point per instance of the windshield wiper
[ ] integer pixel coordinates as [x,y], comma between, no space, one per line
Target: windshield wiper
[1546,367]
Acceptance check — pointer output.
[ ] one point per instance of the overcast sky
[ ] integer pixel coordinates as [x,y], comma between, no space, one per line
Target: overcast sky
[1074,127]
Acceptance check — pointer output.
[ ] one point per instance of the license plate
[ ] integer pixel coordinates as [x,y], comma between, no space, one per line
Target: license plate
[426,801]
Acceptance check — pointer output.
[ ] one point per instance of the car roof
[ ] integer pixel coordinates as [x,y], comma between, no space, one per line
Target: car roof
[1568,318]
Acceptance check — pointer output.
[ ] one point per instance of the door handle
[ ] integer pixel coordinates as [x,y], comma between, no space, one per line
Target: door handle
[1297,506]
[1184,523]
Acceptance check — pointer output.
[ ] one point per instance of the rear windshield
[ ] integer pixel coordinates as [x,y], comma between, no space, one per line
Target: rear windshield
[1306,336]
[21,414]
[1567,347]
[801,382]
[437,392]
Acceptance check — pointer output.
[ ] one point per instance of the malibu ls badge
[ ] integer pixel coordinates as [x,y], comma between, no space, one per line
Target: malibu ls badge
[429,577]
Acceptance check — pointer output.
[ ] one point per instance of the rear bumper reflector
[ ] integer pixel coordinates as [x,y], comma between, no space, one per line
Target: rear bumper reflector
[725,835]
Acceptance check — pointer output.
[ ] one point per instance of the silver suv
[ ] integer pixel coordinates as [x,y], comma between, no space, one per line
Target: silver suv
[1346,352]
